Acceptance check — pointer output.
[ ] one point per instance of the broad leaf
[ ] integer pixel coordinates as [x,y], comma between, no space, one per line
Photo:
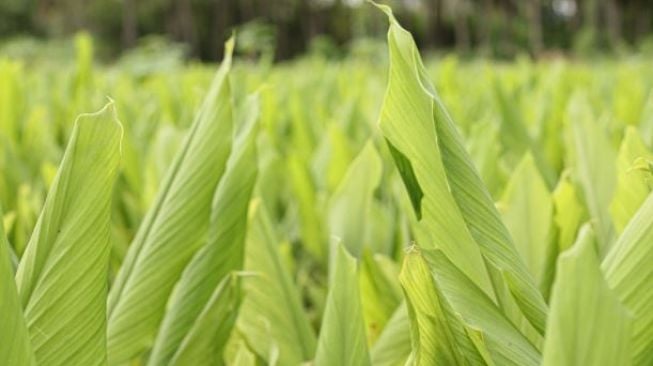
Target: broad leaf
[342,338]
[63,275]
[587,325]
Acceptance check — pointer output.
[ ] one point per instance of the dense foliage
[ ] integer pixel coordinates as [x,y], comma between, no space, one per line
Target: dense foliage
[327,212]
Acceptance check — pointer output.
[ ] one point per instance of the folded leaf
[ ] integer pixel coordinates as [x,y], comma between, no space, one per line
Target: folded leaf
[506,345]
[175,226]
[455,211]
[63,275]
[587,325]
[438,334]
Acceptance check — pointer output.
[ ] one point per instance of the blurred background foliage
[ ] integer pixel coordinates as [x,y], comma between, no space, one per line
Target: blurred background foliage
[282,29]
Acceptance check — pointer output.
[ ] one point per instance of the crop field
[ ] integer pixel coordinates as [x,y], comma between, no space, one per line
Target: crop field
[384,209]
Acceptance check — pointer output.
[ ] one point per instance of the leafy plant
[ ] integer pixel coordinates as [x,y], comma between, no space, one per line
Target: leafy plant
[498,214]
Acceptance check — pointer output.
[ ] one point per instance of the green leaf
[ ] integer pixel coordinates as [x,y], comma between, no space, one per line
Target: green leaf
[485,150]
[272,316]
[205,340]
[342,338]
[16,348]
[350,205]
[587,325]
[527,211]
[225,248]
[516,137]
[595,165]
[380,292]
[438,334]
[244,356]
[310,220]
[63,275]
[628,271]
[505,343]
[456,213]
[569,212]
[175,226]
[632,187]
[393,346]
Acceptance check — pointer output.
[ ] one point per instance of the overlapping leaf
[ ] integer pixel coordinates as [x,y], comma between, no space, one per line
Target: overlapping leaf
[455,211]
[174,228]
[439,336]
[504,342]
[225,248]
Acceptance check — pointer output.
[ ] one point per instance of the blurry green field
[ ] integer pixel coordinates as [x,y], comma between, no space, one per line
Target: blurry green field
[556,143]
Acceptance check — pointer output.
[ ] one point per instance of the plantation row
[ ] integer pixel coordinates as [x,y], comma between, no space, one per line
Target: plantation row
[329,213]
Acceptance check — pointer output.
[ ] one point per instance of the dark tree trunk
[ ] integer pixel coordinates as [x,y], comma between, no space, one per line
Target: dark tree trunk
[129,25]
[484,28]
[534,17]
[432,19]
[613,20]
[221,18]
[461,29]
